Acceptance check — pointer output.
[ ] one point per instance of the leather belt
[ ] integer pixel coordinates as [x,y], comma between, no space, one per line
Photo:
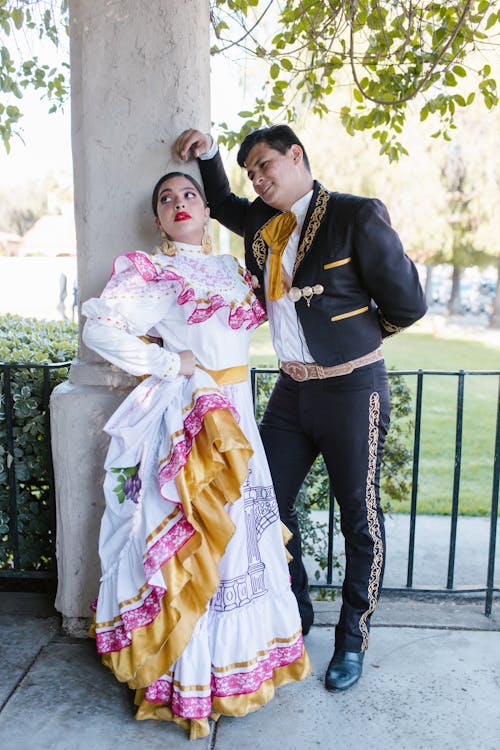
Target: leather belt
[300,371]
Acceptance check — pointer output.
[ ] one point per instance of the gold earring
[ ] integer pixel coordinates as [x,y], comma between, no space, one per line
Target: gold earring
[206,240]
[168,247]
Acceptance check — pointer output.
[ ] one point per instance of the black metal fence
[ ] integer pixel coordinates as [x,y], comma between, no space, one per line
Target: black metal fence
[11,487]
[487,586]
[27,493]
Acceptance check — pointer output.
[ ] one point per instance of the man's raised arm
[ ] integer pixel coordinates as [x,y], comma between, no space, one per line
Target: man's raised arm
[229,209]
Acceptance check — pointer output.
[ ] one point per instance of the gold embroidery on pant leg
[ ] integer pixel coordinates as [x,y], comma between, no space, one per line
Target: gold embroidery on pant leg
[372,518]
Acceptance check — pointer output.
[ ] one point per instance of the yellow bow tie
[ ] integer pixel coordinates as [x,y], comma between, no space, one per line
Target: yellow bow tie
[276,235]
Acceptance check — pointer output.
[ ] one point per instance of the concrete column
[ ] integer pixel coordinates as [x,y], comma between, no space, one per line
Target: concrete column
[140,74]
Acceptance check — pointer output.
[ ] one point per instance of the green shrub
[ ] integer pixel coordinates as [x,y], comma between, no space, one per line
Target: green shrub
[395,476]
[35,342]
[29,341]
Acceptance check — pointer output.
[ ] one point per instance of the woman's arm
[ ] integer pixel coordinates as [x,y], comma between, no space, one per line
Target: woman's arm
[128,308]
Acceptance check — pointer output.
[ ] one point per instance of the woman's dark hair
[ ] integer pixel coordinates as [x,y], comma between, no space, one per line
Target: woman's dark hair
[279,137]
[168,176]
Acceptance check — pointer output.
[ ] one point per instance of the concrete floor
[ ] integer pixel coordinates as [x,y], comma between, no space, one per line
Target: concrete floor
[431,680]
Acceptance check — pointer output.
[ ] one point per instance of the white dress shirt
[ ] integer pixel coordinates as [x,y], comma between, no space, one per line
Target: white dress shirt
[286,331]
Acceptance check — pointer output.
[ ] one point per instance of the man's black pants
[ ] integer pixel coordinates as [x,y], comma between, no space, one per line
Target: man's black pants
[345,419]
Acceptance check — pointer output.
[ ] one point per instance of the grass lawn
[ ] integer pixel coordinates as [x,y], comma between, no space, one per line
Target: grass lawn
[420,349]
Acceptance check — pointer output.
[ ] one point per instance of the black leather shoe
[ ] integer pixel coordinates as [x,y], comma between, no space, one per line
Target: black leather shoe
[344,670]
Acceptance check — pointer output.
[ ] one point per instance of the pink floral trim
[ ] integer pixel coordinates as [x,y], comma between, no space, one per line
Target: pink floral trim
[242,683]
[247,314]
[119,636]
[197,707]
[239,316]
[163,550]
[239,683]
[167,546]
[192,426]
[141,262]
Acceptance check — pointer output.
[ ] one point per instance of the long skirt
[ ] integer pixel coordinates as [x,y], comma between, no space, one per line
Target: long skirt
[195,610]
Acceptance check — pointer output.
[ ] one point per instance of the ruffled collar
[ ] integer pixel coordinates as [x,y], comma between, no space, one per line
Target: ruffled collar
[190,251]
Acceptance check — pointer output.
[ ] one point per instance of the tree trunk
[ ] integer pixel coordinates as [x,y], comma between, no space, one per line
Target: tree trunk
[428,284]
[454,305]
[495,315]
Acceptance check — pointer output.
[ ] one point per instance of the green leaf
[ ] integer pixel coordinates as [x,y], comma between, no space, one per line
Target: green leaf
[275,70]
[358,95]
[491,21]
[17,16]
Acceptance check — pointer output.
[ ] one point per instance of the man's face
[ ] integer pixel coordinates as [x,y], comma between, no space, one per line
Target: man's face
[274,175]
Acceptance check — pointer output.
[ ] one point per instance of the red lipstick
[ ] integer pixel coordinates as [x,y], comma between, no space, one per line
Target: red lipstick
[182,216]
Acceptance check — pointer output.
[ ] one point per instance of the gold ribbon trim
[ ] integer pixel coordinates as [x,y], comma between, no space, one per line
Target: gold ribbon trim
[233,705]
[337,263]
[349,314]
[215,470]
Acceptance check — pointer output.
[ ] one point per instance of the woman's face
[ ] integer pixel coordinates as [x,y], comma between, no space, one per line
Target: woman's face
[181,211]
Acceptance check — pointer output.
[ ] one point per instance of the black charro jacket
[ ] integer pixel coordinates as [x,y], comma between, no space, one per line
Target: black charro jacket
[347,244]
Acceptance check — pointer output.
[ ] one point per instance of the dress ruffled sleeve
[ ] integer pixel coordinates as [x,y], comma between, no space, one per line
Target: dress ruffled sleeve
[131,304]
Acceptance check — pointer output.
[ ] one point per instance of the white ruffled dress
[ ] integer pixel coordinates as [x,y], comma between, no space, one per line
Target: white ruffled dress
[194,609]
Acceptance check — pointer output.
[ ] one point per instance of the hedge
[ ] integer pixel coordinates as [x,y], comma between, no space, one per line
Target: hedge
[29,341]
[24,340]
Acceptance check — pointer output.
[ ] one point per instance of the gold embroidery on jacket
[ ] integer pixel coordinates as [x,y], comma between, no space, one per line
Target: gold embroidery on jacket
[312,226]
[259,247]
[349,314]
[337,263]
[372,518]
[389,327]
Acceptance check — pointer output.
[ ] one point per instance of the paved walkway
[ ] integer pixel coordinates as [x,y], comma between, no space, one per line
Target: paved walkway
[431,680]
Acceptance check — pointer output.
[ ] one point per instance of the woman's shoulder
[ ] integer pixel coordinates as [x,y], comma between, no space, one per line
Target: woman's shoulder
[231,261]
[139,261]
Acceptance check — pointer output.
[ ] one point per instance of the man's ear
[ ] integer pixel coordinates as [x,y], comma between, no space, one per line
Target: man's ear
[296,152]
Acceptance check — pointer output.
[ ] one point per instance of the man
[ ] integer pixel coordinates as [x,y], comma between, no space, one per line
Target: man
[335,280]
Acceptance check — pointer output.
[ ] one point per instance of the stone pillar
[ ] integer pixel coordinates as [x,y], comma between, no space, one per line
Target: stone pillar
[140,74]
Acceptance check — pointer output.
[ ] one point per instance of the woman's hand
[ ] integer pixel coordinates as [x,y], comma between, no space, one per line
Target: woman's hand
[188,362]
[195,141]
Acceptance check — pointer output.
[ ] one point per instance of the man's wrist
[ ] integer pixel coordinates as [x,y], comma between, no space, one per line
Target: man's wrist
[212,150]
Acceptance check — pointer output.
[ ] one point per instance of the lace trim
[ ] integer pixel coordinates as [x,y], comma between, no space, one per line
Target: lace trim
[173,463]
[241,312]
[238,683]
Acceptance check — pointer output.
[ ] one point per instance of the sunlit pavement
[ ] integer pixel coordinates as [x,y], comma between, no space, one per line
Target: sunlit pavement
[431,680]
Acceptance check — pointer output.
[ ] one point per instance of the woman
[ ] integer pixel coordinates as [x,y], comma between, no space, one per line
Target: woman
[195,609]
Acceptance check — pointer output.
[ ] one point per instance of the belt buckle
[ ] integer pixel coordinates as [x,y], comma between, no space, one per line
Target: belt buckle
[298,371]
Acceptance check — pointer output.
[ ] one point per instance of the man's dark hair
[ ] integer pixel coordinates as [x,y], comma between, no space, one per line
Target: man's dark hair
[168,176]
[279,137]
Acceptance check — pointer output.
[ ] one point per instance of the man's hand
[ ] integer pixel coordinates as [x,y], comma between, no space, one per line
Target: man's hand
[195,141]
[188,362]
